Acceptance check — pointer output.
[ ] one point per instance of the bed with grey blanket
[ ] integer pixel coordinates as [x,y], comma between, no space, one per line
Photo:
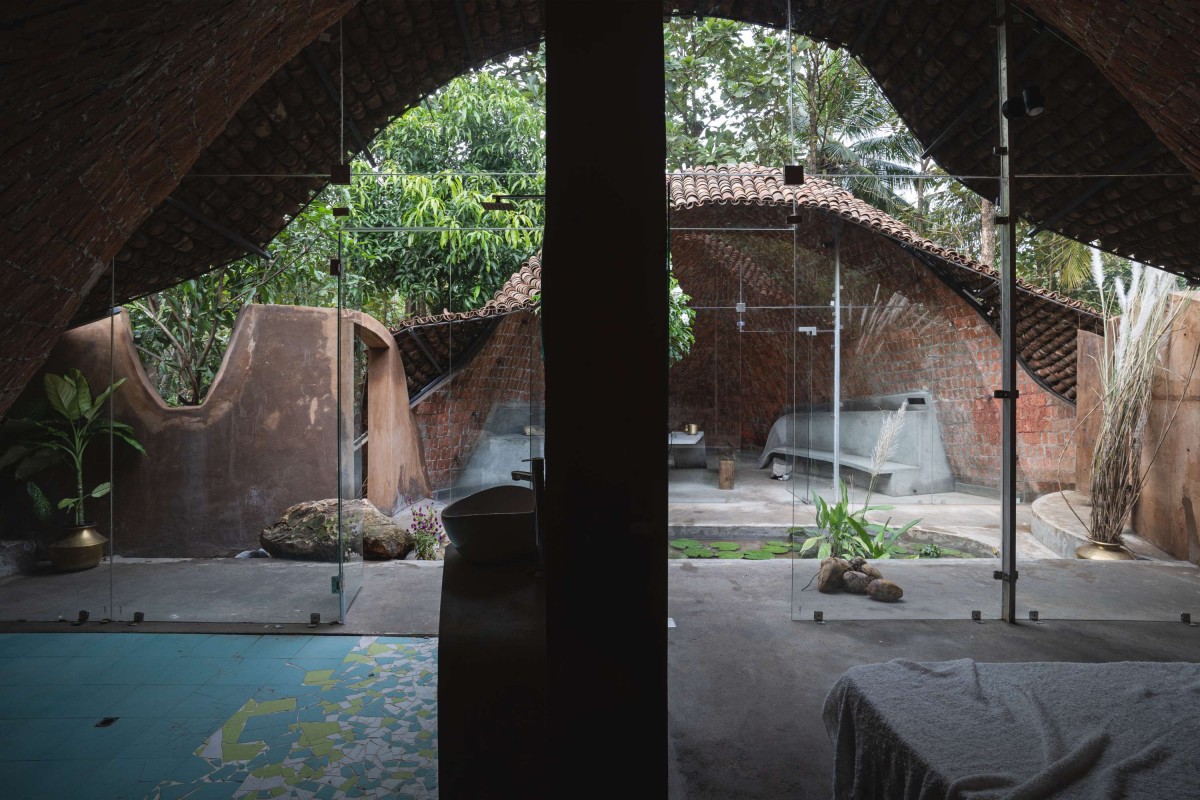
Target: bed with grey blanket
[961,729]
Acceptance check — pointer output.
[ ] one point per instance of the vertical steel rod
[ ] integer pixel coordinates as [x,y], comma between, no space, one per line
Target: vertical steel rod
[837,359]
[1008,359]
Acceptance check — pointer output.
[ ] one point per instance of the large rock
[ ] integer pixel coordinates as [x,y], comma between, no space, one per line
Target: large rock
[308,532]
[17,557]
[829,579]
[884,591]
[856,582]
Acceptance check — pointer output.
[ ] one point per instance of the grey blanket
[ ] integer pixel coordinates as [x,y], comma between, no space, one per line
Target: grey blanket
[961,729]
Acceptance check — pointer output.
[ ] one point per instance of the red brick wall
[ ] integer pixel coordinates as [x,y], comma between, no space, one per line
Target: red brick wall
[903,331]
[508,368]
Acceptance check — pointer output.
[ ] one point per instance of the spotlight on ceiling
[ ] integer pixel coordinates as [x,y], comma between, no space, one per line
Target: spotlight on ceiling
[1029,104]
[1032,96]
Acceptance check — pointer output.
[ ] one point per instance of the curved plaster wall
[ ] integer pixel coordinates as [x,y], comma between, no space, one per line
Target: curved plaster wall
[265,437]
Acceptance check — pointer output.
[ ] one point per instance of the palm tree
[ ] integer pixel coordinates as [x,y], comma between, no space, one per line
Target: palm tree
[846,127]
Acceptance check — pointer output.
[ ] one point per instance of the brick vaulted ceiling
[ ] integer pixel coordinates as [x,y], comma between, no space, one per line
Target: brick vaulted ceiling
[114,108]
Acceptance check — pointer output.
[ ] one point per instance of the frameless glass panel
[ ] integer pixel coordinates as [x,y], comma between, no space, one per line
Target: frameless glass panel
[232,388]
[468,333]
[56,484]
[1152,576]
[916,361]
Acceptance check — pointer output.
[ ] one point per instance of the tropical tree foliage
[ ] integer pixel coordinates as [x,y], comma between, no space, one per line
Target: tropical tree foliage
[736,93]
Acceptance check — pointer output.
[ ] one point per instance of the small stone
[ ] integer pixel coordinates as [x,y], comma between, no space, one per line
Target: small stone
[867,569]
[857,563]
[884,591]
[829,579]
[856,582]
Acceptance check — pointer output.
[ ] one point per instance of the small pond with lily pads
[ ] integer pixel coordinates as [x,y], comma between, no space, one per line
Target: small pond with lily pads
[788,545]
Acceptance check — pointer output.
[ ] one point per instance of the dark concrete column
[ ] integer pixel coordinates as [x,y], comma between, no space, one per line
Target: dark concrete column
[605,335]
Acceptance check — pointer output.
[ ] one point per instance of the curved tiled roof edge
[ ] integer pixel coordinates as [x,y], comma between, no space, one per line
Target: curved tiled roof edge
[1046,332]
[521,292]
[751,184]
[1047,323]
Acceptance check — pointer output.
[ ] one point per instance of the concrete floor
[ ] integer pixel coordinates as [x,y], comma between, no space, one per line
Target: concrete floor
[747,671]
[746,684]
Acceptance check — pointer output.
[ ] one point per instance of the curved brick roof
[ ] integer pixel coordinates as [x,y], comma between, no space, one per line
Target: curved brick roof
[433,347]
[118,113]
[1047,322]
[400,51]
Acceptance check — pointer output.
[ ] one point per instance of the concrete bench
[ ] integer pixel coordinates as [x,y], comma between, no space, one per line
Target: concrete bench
[920,465]
[688,449]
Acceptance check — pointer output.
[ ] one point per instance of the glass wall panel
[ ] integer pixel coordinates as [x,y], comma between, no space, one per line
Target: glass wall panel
[231,384]
[466,331]
[1153,574]
[56,485]
[913,430]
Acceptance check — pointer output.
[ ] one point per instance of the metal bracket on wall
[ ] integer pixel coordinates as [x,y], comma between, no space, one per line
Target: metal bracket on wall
[999,575]
[1004,394]
[335,584]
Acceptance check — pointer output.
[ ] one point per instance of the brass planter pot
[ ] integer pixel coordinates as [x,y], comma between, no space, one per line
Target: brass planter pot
[82,547]
[1103,551]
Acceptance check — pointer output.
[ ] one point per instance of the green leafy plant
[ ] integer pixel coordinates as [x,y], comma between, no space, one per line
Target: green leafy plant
[930,551]
[63,437]
[879,541]
[684,544]
[837,526]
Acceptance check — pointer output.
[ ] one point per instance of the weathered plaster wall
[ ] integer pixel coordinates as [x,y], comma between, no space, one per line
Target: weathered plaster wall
[1166,511]
[264,438]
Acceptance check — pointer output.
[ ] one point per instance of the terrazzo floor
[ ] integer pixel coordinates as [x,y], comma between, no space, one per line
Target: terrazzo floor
[215,716]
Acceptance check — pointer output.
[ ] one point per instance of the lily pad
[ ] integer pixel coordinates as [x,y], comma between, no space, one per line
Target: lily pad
[684,544]
[727,546]
[758,555]
[730,554]
[777,549]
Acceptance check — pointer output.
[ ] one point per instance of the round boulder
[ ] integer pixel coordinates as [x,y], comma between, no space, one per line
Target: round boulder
[856,582]
[829,579]
[867,569]
[309,532]
[884,591]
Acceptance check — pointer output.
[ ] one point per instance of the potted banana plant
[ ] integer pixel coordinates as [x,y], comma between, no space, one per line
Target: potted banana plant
[61,436]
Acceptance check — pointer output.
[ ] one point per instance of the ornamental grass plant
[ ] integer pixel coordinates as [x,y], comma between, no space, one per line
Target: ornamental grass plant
[1129,363]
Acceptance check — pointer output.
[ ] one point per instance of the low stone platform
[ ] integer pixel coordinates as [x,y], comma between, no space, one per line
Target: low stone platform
[1058,523]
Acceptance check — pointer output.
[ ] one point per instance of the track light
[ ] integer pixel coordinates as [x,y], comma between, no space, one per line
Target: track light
[1029,104]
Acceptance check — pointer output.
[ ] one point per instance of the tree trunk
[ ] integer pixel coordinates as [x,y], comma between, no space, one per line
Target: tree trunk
[987,233]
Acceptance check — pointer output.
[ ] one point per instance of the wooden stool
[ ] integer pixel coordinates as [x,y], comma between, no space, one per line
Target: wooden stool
[725,477]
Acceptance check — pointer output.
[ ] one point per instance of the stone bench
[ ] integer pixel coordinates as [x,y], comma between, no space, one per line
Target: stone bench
[919,465]
[688,449]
